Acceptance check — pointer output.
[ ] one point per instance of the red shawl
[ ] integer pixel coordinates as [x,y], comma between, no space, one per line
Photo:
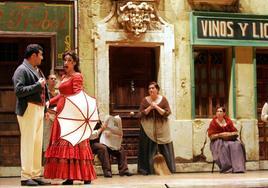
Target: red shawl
[215,128]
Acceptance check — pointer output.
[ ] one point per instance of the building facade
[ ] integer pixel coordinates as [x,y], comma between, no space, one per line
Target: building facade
[202,54]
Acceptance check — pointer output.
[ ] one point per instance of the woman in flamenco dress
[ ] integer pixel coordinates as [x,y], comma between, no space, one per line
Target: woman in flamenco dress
[63,160]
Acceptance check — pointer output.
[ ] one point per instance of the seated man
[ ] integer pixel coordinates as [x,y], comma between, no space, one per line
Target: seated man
[108,142]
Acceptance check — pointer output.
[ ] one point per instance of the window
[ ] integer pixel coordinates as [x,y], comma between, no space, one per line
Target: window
[210,81]
[262,90]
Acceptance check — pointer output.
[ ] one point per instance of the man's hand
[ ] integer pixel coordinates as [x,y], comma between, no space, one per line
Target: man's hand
[103,127]
[42,81]
[47,116]
[47,104]
[107,133]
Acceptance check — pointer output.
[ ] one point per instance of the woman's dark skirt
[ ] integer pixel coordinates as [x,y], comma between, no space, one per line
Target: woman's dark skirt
[147,150]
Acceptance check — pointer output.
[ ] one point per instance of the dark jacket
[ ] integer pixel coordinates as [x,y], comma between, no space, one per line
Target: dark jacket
[26,86]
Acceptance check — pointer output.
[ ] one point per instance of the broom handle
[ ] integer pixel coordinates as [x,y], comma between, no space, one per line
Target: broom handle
[155,135]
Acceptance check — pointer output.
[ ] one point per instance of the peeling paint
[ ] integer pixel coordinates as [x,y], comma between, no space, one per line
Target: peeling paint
[198,123]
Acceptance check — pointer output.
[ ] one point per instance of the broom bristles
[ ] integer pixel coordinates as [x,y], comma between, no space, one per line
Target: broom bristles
[160,165]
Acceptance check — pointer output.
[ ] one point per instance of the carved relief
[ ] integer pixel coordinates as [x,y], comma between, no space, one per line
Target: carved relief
[138,17]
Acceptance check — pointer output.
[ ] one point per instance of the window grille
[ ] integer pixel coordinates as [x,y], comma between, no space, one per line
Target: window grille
[210,81]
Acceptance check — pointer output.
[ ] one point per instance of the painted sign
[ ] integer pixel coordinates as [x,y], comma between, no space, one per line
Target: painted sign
[226,29]
[40,17]
[232,29]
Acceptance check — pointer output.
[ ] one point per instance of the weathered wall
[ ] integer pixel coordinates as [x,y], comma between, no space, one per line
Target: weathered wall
[89,13]
[254,6]
[176,13]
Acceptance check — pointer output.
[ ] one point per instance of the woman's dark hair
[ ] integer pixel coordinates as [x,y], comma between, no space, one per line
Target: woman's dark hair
[155,85]
[74,57]
[223,108]
[32,49]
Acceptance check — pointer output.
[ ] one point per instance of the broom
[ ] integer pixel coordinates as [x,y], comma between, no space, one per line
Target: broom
[159,162]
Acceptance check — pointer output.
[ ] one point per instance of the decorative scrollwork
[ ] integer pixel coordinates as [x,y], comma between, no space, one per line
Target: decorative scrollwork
[136,17]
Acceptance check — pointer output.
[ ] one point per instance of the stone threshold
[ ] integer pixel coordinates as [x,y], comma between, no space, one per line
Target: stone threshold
[180,168]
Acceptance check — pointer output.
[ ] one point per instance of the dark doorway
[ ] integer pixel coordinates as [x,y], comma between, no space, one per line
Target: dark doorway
[11,55]
[131,70]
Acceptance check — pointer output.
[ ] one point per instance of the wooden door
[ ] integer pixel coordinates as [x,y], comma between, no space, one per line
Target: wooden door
[262,97]
[131,70]
[11,56]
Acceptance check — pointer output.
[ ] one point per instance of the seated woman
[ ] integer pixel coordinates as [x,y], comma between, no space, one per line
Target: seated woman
[227,151]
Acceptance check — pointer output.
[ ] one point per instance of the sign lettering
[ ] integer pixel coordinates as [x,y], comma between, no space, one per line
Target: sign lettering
[235,29]
[40,17]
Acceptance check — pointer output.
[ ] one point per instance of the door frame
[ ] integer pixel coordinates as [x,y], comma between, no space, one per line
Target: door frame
[163,39]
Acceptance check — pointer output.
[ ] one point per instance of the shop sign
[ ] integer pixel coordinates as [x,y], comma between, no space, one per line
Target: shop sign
[40,17]
[238,29]
[232,29]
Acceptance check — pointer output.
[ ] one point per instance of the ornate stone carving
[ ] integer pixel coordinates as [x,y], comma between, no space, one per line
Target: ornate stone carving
[138,17]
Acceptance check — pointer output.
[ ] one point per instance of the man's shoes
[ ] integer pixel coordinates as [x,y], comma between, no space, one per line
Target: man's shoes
[143,172]
[68,182]
[29,182]
[87,182]
[108,174]
[127,173]
[41,181]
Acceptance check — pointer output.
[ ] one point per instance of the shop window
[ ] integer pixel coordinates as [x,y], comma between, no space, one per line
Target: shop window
[262,90]
[262,76]
[210,81]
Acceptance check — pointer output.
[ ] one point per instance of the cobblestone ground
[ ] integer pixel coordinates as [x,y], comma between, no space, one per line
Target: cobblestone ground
[251,179]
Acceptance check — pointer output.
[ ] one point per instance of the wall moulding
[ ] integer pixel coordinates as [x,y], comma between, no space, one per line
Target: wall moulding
[212,5]
[108,32]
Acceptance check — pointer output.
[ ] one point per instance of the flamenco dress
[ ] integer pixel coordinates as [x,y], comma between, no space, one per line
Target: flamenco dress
[63,160]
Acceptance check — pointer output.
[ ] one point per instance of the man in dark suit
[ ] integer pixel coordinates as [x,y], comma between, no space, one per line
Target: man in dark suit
[31,93]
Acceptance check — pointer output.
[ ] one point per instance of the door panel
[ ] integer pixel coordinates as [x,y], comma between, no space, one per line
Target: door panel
[131,69]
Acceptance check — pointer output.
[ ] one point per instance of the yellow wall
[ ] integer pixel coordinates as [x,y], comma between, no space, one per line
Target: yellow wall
[89,13]
[244,83]
[175,12]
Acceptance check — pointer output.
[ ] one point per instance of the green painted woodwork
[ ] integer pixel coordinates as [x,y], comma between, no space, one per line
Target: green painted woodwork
[192,83]
[255,83]
[233,80]
[243,18]
[40,17]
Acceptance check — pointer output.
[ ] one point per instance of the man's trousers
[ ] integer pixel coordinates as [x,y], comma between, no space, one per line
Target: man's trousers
[31,129]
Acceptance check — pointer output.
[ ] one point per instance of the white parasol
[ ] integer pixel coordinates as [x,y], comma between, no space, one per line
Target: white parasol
[78,117]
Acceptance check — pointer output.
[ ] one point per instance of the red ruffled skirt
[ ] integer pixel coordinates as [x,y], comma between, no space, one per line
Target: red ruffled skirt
[65,161]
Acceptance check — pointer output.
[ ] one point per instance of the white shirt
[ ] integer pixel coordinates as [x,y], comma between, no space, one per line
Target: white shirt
[264,112]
